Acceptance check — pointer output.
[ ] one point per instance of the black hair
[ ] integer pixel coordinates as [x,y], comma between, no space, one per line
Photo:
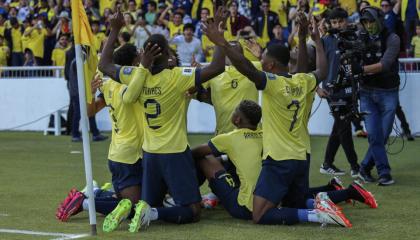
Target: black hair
[338,13]
[152,3]
[125,55]
[13,21]
[279,53]
[232,2]
[125,36]
[178,13]
[266,1]
[189,26]
[175,53]
[64,35]
[204,8]
[161,41]
[360,3]
[251,110]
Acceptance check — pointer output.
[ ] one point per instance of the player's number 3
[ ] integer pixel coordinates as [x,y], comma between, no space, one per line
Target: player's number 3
[148,103]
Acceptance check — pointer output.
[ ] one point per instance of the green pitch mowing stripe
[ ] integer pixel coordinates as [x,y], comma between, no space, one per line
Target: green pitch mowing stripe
[61,236]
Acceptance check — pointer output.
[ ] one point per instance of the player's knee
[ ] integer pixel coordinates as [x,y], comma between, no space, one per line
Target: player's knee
[256,217]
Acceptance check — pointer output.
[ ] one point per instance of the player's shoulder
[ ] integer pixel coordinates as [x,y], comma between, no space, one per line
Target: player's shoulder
[182,71]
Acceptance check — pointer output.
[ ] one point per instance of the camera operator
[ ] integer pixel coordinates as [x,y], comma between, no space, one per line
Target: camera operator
[378,93]
[341,132]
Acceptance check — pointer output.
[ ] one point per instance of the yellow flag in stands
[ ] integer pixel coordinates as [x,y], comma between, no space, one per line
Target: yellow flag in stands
[84,37]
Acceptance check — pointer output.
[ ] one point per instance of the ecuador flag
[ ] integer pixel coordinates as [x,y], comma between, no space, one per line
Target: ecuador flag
[83,36]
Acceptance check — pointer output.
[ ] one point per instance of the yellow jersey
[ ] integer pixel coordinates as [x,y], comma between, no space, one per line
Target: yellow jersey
[58,56]
[105,4]
[173,30]
[227,91]
[36,42]
[244,147]
[285,109]
[277,7]
[248,54]
[375,3]
[349,5]
[205,42]
[99,38]
[16,40]
[165,105]
[4,54]
[127,125]
[415,42]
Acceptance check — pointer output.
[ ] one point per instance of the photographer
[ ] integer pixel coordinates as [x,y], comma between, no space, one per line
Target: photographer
[379,93]
[341,132]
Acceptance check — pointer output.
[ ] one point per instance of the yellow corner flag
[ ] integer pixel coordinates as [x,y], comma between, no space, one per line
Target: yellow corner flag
[84,37]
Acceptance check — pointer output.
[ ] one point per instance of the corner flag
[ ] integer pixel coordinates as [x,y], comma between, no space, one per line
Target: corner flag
[83,36]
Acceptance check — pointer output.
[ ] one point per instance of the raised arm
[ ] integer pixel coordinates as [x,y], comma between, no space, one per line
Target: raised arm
[98,104]
[321,60]
[163,14]
[302,58]
[105,63]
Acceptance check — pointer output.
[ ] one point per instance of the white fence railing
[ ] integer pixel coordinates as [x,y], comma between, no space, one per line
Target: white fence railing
[409,65]
[32,72]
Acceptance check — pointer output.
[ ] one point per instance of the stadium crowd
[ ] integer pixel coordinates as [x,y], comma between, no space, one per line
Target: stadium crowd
[38,32]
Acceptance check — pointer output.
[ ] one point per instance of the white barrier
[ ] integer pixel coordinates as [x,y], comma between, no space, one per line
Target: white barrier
[24,100]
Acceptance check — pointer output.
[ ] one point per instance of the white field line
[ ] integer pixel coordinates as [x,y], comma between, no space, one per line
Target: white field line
[62,236]
[4,215]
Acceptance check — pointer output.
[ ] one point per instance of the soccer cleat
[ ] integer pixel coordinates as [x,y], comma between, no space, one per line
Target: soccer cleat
[168,202]
[332,217]
[332,170]
[336,183]
[367,196]
[141,217]
[95,185]
[322,201]
[385,180]
[107,187]
[121,212]
[366,177]
[354,173]
[71,205]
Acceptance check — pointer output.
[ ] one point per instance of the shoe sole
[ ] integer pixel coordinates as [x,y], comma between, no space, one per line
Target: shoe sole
[73,206]
[386,183]
[113,220]
[323,171]
[340,219]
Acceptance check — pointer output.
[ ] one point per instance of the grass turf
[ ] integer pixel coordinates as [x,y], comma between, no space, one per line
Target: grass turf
[37,171]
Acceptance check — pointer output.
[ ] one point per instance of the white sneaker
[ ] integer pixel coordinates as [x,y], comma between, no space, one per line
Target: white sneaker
[168,202]
[141,217]
[332,217]
[323,201]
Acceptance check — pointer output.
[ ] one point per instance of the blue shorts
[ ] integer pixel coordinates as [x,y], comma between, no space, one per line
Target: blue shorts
[172,173]
[223,185]
[231,169]
[125,175]
[283,182]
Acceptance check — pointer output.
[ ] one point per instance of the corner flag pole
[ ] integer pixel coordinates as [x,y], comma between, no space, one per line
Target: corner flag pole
[85,137]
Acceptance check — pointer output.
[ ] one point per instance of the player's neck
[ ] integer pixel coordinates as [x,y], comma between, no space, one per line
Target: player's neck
[247,126]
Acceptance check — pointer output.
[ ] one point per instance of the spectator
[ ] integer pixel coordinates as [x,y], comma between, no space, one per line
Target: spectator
[124,38]
[355,18]
[349,5]
[14,38]
[141,32]
[245,35]
[4,52]
[188,46]
[104,4]
[185,4]
[278,36]
[410,15]
[99,36]
[30,59]
[185,17]
[151,13]
[132,9]
[265,21]
[35,37]
[391,14]
[205,12]
[63,25]
[198,5]
[59,53]
[24,10]
[375,3]
[90,9]
[415,43]
[280,8]
[235,21]
[129,23]
[175,25]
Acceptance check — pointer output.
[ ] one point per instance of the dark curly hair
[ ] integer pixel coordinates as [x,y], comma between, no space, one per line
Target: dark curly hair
[251,110]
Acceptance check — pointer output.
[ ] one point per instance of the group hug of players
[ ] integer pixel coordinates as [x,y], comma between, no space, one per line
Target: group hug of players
[255,176]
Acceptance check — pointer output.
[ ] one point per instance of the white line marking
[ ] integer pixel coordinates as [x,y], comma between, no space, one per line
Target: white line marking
[4,215]
[62,236]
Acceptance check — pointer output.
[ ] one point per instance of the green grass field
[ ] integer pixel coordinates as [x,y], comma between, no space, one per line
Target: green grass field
[37,171]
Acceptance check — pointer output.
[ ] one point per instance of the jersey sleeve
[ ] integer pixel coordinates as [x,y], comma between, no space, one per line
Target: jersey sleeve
[186,77]
[257,65]
[219,144]
[310,82]
[133,90]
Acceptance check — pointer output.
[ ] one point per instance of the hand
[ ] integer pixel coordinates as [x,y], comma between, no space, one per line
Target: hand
[117,20]
[303,23]
[194,63]
[356,68]
[322,93]
[221,16]
[149,55]
[213,31]
[253,47]
[190,92]
[314,31]
[96,83]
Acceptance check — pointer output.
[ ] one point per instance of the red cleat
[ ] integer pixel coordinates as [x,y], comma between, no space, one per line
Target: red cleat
[71,205]
[367,196]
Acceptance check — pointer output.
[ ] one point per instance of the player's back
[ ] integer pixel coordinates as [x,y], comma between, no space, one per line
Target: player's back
[285,114]
[127,124]
[165,105]
[244,148]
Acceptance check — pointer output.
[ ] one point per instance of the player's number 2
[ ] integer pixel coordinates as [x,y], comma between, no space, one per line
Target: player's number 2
[152,102]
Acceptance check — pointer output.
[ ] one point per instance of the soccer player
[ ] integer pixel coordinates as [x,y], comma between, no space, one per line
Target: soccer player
[167,162]
[284,173]
[244,146]
[125,152]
